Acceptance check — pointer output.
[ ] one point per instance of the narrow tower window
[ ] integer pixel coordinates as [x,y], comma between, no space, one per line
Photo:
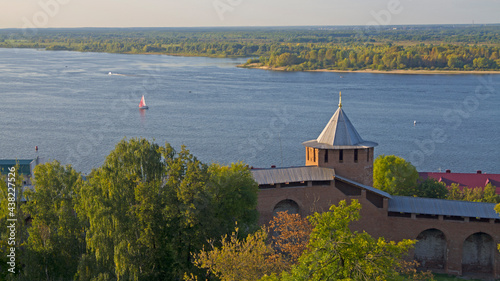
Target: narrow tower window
[307,151]
[314,154]
[341,155]
[326,156]
[367,155]
[355,156]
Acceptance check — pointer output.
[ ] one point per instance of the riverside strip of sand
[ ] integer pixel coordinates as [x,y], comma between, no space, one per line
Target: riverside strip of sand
[398,71]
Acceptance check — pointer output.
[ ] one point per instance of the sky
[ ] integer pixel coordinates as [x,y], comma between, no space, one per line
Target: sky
[193,13]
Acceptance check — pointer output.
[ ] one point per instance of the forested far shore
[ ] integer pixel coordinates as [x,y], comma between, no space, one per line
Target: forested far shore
[442,47]
[384,57]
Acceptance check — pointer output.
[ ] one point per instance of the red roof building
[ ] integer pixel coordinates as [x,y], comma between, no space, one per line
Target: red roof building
[464,179]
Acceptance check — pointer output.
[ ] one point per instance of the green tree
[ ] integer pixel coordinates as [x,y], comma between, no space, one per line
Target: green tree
[149,208]
[267,251]
[454,192]
[430,188]
[337,253]
[56,236]
[482,63]
[122,202]
[454,62]
[247,260]
[394,175]
[233,198]
[478,194]
[286,59]
[204,203]
[490,195]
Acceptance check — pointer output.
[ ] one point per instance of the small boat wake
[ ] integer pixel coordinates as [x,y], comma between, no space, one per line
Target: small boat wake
[119,74]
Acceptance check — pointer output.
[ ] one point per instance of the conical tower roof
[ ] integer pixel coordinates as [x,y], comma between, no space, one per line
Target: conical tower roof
[339,133]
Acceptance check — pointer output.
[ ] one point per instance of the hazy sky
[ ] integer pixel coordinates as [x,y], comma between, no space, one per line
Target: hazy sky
[174,13]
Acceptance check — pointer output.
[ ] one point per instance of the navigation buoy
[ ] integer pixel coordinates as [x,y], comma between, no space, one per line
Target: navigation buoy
[36,148]
[414,122]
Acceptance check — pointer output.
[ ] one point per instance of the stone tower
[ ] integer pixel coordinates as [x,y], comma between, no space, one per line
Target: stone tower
[340,146]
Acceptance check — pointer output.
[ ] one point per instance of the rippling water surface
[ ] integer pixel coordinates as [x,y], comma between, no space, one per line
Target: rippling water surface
[68,105]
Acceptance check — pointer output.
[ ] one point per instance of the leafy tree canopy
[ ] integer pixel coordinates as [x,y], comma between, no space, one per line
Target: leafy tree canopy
[289,237]
[140,216]
[56,236]
[337,253]
[430,188]
[487,194]
[247,260]
[394,175]
[150,207]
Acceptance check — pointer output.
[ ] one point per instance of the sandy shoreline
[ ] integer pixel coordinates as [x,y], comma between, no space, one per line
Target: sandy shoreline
[400,71]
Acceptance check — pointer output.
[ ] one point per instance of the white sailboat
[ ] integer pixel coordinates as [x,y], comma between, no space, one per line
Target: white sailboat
[142,104]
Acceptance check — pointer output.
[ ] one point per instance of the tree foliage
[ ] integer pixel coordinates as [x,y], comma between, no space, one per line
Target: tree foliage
[56,236]
[487,194]
[337,253]
[289,237]
[139,216]
[268,251]
[121,202]
[149,207]
[430,188]
[394,175]
[233,198]
[247,260]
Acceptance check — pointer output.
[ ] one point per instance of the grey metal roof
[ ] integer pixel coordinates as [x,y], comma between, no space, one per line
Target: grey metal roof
[292,174]
[431,206]
[372,189]
[339,133]
[309,173]
[316,144]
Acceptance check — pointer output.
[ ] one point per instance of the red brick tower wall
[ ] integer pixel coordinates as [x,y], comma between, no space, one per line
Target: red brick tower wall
[359,170]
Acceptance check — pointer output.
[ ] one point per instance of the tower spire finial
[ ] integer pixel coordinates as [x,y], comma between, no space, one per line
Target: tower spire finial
[340,99]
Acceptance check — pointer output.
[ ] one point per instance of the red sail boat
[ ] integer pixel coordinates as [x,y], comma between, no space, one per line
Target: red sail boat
[142,104]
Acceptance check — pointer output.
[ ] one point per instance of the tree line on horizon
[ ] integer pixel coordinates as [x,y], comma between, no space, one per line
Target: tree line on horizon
[383,57]
[438,48]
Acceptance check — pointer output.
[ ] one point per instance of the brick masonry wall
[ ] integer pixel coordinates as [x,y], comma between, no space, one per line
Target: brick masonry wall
[360,171]
[377,223]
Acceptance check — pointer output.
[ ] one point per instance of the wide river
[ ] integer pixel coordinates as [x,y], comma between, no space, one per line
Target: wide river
[68,105]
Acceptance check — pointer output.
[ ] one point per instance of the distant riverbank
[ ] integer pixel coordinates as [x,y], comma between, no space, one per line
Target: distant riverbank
[258,65]
[397,71]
